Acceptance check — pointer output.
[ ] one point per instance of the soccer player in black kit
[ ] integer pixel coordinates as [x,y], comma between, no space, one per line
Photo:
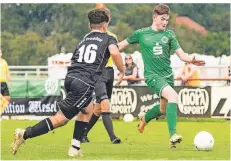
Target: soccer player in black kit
[87,63]
[103,92]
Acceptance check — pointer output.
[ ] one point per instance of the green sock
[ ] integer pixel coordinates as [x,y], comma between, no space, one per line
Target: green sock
[153,113]
[171,114]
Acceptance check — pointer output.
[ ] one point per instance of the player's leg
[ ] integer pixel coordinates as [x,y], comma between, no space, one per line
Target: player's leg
[97,107]
[103,98]
[86,113]
[94,118]
[48,124]
[3,103]
[155,83]
[171,113]
[80,125]
[69,107]
[153,113]
[81,122]
[163,87]
[163,105]
[5,97]
[83,97]
[43,127]
[84,116]
[107,121]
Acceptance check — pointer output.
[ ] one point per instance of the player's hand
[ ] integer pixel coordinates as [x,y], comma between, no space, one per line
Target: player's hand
[120,79]
[197,62]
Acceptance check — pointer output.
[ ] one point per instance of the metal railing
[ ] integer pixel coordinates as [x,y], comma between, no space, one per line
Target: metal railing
[28,71]
[22,72]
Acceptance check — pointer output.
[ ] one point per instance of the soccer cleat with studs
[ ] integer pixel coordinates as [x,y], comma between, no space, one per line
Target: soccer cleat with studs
[174,140]
[18,140]
[116,141]
[74,152]
[141,125]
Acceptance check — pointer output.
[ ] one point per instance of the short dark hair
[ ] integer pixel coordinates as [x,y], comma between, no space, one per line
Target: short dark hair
[161,9]
[97,16]
[108,12]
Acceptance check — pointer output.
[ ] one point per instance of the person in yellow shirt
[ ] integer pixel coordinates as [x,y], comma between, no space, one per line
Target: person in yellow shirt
[4,77]
[190,73]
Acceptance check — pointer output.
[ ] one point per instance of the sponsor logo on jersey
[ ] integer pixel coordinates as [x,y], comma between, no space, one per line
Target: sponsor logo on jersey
[94,38]
[157,50]
[164,39]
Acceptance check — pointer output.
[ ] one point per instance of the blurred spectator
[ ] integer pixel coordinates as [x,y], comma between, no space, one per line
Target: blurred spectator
[187,73]
[131,71]
[229,76]
[4,77]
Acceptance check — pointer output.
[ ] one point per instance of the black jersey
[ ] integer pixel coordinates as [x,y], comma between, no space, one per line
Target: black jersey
[91,56]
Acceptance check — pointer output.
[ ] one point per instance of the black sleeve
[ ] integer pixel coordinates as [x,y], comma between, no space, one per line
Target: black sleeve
[112,40]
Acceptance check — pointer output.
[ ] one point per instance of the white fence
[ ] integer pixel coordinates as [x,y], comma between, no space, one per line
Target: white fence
[22,72]
[221,71]
[217,74]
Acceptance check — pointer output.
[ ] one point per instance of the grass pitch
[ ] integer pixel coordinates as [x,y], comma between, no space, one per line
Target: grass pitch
[151,145]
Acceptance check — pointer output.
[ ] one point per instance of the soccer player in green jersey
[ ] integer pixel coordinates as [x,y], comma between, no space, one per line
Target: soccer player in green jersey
[157,43]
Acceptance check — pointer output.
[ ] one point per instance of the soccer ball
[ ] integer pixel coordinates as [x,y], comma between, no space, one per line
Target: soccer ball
[204,141]
[128,117]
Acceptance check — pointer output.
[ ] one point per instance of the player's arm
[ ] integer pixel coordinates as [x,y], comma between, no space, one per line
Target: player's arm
[132,39]
[174,44]
[123,44]
[186,58]
[183,56]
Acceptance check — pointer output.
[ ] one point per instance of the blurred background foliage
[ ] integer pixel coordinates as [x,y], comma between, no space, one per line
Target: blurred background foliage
[32,32]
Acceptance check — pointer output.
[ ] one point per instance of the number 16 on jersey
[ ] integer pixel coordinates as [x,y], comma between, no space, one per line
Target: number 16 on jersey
[87,54]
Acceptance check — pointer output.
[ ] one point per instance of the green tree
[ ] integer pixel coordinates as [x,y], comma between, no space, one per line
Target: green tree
[123,30]
[6,45]
[65,41]
[139,16]
[33,32]
[190,40]
[216,43]
[203,13]
[25,47]
[11,20]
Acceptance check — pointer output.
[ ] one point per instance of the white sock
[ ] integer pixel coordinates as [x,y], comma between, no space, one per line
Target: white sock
[75,144]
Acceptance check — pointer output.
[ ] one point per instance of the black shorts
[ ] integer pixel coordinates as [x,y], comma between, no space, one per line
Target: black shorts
[4,89]
[79,95]
[103,88]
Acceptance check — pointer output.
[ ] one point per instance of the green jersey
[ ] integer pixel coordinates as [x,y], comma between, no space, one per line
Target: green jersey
[156,47]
